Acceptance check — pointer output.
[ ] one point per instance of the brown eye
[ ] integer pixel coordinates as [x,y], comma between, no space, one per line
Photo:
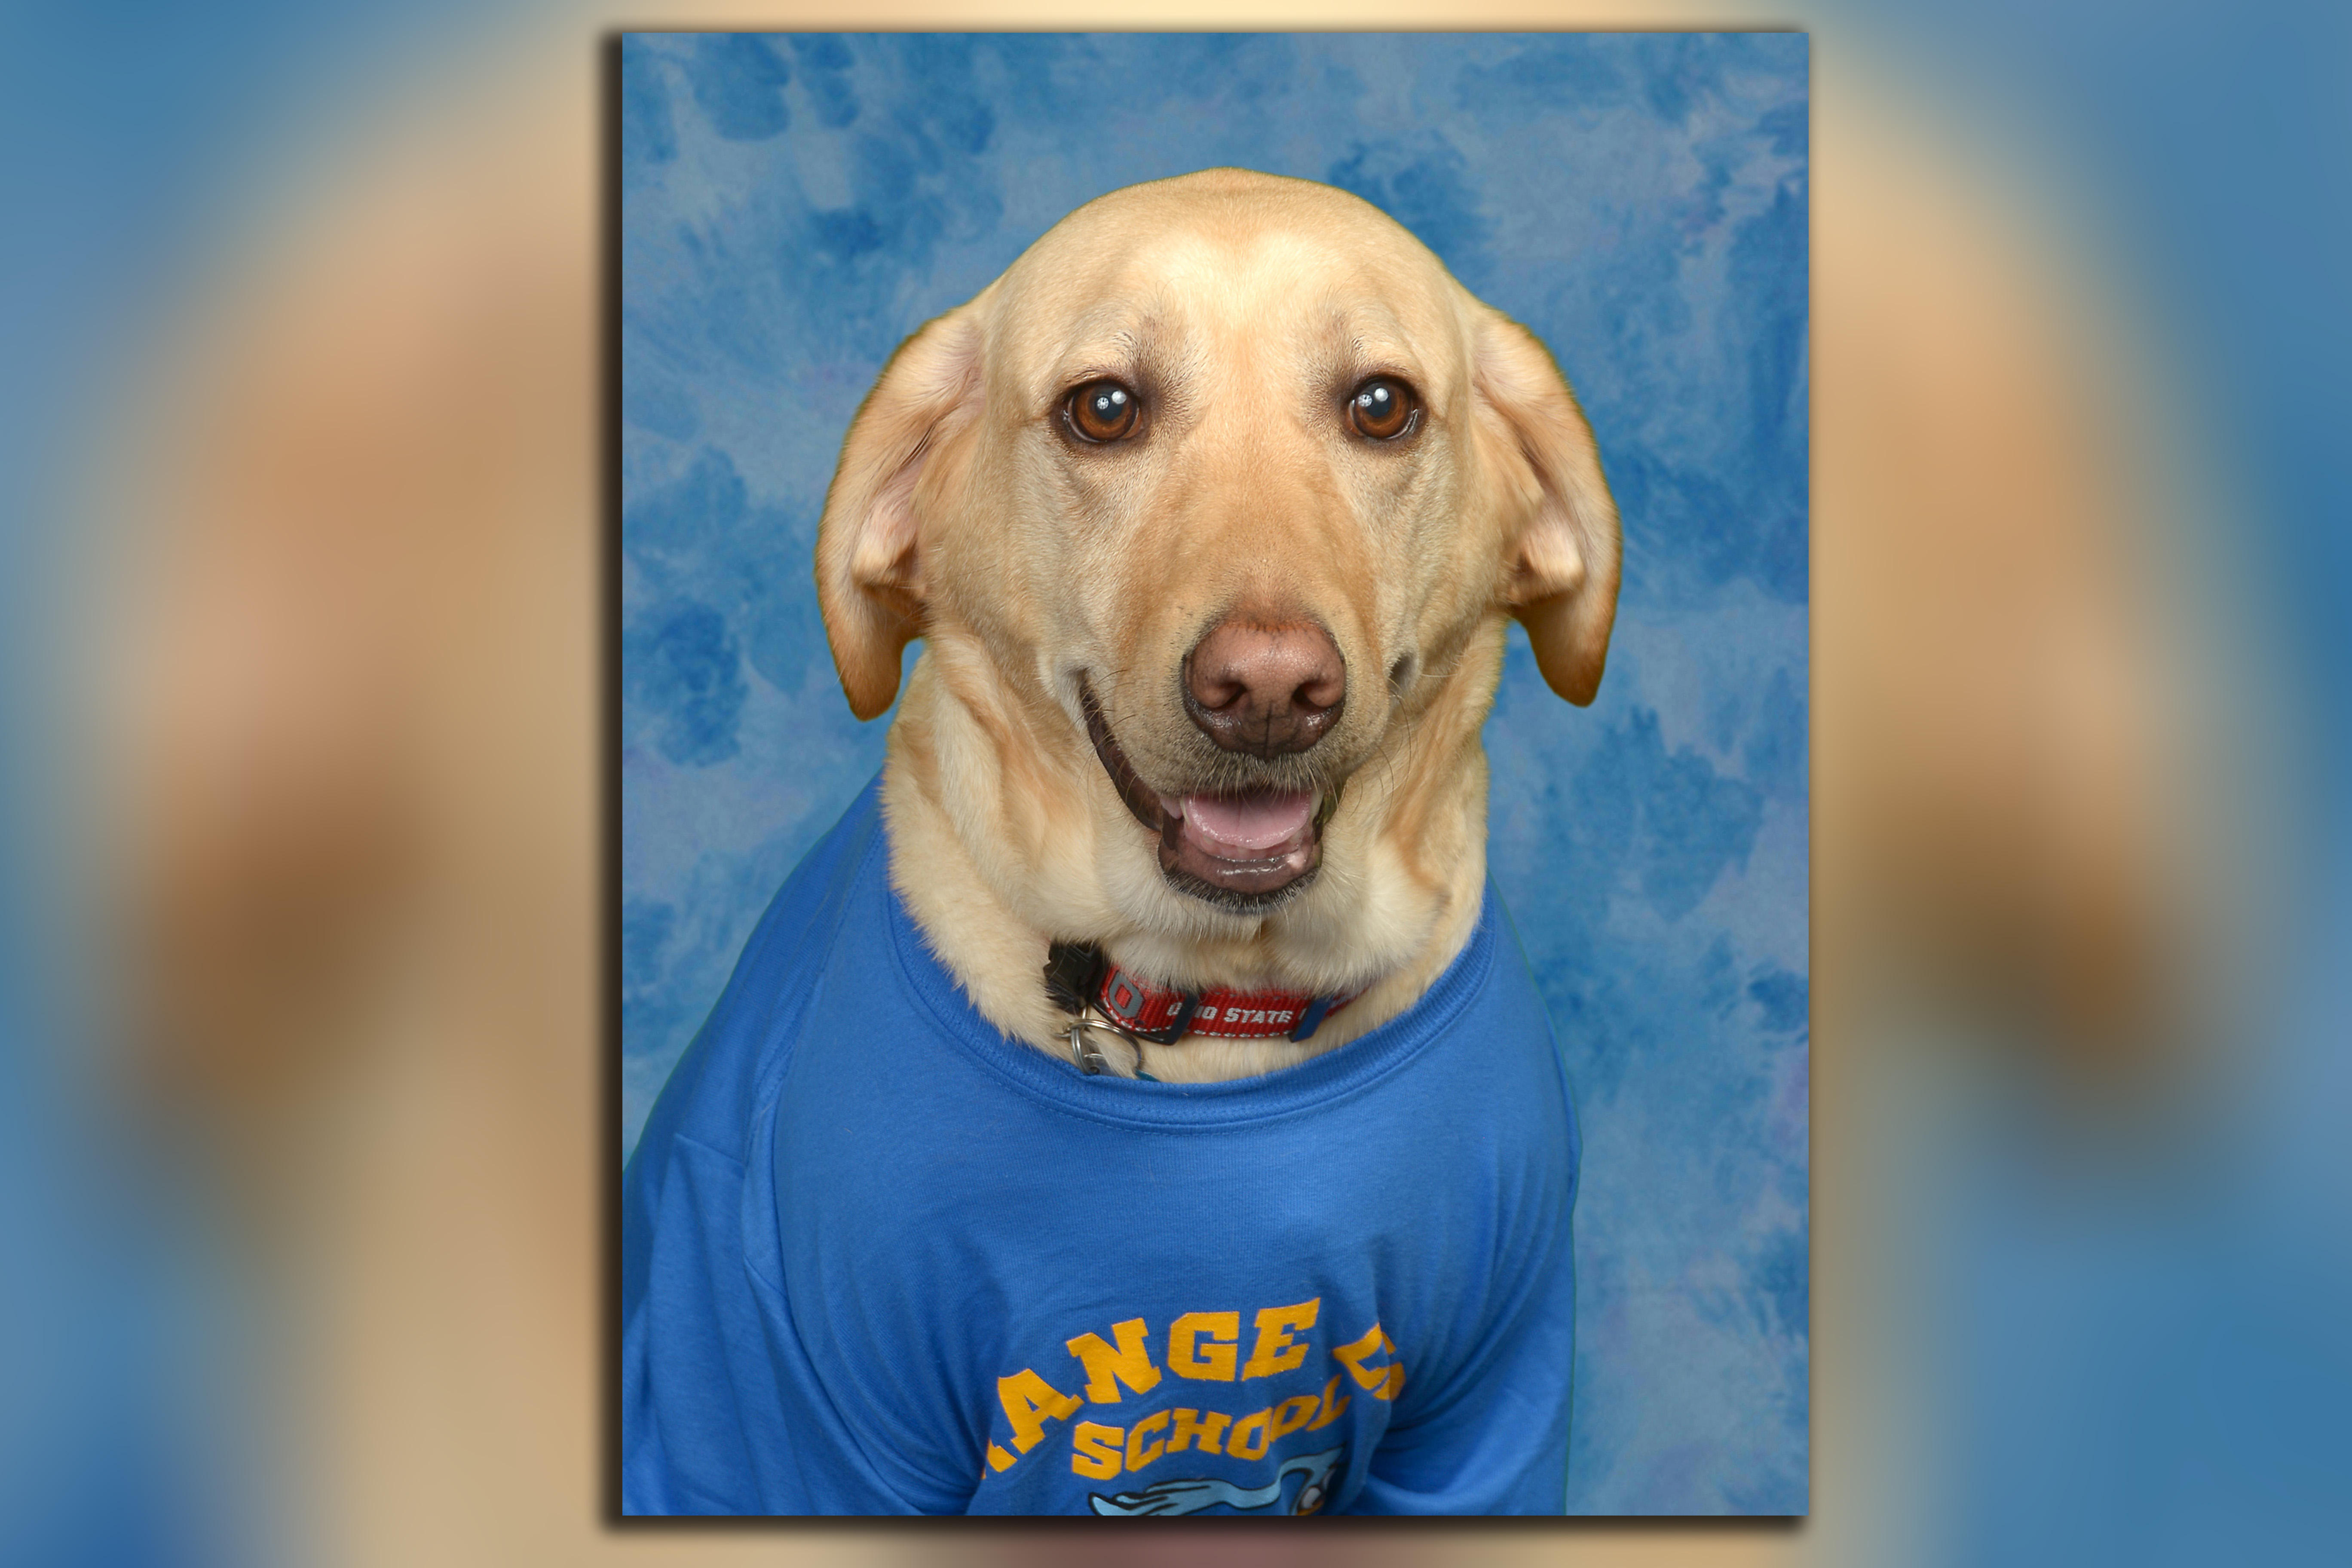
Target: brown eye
[1382,408]
[1102,411]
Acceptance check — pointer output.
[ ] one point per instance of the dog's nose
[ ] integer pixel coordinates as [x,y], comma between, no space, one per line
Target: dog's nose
[1264,690]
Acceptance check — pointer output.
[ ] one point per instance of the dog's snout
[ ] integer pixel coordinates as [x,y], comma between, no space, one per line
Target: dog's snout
[1264,690]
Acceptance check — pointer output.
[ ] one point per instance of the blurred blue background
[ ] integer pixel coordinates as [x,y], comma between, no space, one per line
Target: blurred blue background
[792,208]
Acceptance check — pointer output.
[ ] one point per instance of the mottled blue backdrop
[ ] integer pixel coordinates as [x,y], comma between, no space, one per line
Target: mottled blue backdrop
[791,208]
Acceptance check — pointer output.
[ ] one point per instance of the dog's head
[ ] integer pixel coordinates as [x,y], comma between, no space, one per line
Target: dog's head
[1228,469]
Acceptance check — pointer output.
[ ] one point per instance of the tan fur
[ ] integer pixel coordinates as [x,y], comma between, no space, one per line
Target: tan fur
[1244,308]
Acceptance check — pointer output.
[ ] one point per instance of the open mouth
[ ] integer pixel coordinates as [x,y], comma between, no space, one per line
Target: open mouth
[1242,852]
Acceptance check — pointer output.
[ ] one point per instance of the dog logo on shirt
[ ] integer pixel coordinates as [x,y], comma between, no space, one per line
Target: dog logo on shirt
[1192,1494]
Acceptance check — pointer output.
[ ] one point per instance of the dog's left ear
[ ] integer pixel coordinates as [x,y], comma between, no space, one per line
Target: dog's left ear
[1562,542]
[869,565]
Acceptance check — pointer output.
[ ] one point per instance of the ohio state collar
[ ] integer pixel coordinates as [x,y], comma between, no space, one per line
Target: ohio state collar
[1078,977]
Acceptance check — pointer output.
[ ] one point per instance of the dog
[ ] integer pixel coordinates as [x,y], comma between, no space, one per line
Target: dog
[1210,513]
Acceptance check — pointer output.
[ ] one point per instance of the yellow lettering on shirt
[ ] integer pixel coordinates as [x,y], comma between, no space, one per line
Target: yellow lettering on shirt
[1334,1404]
[1252,1434]
[1214,1362]
[1106,1368]
[1029,1402]
[1276,1351]
[1293,1414]
[1138,1452]
[998,1459]
[1382,1382]
[1191,1425]
[1097,1450]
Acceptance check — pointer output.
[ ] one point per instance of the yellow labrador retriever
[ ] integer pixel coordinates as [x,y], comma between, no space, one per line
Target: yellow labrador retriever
[1209,512]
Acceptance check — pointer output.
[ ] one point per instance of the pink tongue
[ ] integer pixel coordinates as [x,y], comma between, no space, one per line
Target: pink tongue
[1245,822]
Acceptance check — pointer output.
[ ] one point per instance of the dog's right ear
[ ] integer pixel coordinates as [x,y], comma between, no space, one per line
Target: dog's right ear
[869,558]
[1564,546]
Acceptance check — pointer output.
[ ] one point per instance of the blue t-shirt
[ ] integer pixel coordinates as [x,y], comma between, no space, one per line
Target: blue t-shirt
[876,1258]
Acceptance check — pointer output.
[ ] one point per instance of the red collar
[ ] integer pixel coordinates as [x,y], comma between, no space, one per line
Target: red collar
[1078,977]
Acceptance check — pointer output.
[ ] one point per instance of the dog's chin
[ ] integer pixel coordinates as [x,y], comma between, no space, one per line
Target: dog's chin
[1234,902]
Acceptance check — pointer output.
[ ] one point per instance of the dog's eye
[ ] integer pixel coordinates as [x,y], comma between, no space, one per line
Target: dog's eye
[1102,411]
[1382,408]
